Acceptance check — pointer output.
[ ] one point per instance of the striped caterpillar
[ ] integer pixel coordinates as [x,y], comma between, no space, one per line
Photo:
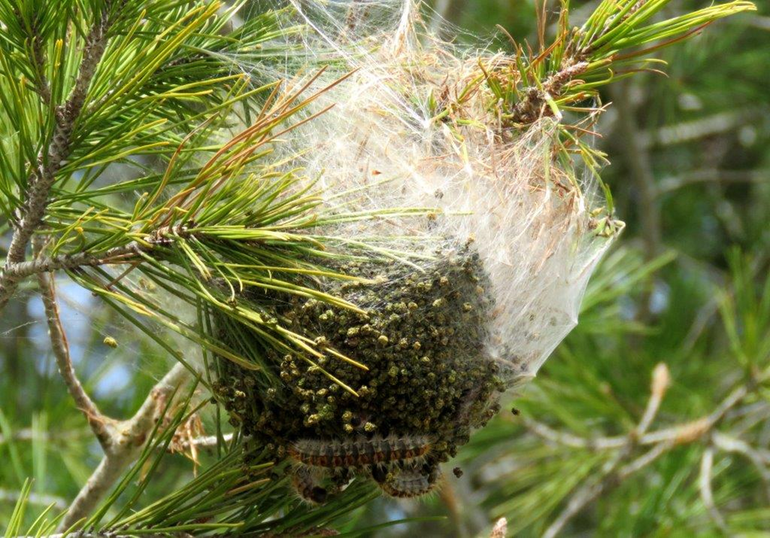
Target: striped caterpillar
[361,453]
[411,483]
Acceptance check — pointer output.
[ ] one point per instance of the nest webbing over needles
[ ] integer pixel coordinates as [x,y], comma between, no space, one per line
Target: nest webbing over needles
[482,283]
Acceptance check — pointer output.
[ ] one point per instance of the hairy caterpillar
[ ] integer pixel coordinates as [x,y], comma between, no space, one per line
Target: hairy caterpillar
[407,484]
[361,453]
[307,486]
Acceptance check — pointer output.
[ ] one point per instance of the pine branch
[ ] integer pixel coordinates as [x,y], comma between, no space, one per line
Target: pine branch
[126,442]
[205,259]
[96,420]
[117,255]
[42,179]
[44,264]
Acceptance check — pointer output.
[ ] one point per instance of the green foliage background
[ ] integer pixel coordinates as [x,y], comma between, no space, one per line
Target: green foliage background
[686,285]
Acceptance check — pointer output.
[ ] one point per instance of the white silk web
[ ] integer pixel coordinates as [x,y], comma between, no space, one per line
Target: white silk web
[416,126]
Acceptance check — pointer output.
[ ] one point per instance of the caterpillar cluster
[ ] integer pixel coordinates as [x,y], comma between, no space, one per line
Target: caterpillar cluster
[398,465]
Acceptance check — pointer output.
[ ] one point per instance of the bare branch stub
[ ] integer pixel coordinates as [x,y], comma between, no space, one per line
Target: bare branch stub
[500,529]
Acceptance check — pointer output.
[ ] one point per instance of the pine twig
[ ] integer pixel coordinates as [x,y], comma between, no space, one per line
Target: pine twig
[662,441]
[661,380]
[608,475]
[679,434]
[60,346]
[117,255]
[645,459]
[96,420]
[760,458]
[41,180]
[126,443]
[70,261]
[695,430]
[569,439]
[738,446]
[209,441]
[706,492]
